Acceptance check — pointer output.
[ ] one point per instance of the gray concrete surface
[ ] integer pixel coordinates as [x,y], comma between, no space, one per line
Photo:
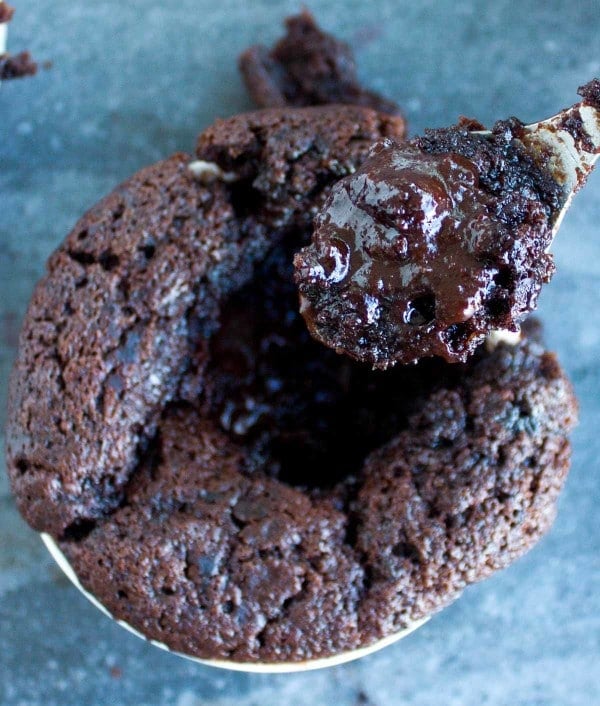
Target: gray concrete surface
[133,81]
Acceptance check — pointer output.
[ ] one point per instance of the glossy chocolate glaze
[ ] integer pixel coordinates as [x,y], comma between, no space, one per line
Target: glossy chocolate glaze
[428,247]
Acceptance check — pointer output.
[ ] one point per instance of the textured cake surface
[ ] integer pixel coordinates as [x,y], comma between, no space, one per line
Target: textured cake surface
[216,557]
[135,289]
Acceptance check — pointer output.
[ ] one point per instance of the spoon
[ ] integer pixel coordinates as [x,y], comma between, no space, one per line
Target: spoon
[568,145]
[428,247]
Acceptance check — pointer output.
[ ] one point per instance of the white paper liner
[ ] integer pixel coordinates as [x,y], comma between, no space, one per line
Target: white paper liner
[3,35]
[259,668]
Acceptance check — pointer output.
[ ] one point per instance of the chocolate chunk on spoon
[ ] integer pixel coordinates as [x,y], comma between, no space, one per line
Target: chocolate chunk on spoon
[433,244]
[17,65]
[307,67]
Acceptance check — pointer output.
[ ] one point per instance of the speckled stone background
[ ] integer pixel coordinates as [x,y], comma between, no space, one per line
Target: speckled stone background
[133,81]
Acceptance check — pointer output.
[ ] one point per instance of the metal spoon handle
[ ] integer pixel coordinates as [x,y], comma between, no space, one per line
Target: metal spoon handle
[568,145]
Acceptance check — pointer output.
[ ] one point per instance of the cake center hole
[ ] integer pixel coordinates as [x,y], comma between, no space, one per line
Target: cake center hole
[304,414]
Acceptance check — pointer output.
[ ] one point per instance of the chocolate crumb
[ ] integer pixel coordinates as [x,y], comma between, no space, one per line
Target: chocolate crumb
[17,66]
[573,124]
[6,12]
[307,67]
[590,93]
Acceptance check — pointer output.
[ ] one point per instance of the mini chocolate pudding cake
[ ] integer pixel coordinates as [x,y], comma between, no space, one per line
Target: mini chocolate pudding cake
[223,482]
[216,477]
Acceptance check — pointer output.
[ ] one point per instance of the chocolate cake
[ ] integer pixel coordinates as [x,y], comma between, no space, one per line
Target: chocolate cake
[429,246]
[221,481]
[216,477]
[306,67]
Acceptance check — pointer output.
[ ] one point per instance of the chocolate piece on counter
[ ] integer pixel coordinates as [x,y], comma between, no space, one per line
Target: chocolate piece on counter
[306,67]
[6,12]
[17,65]
[590,93]
[428,247]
